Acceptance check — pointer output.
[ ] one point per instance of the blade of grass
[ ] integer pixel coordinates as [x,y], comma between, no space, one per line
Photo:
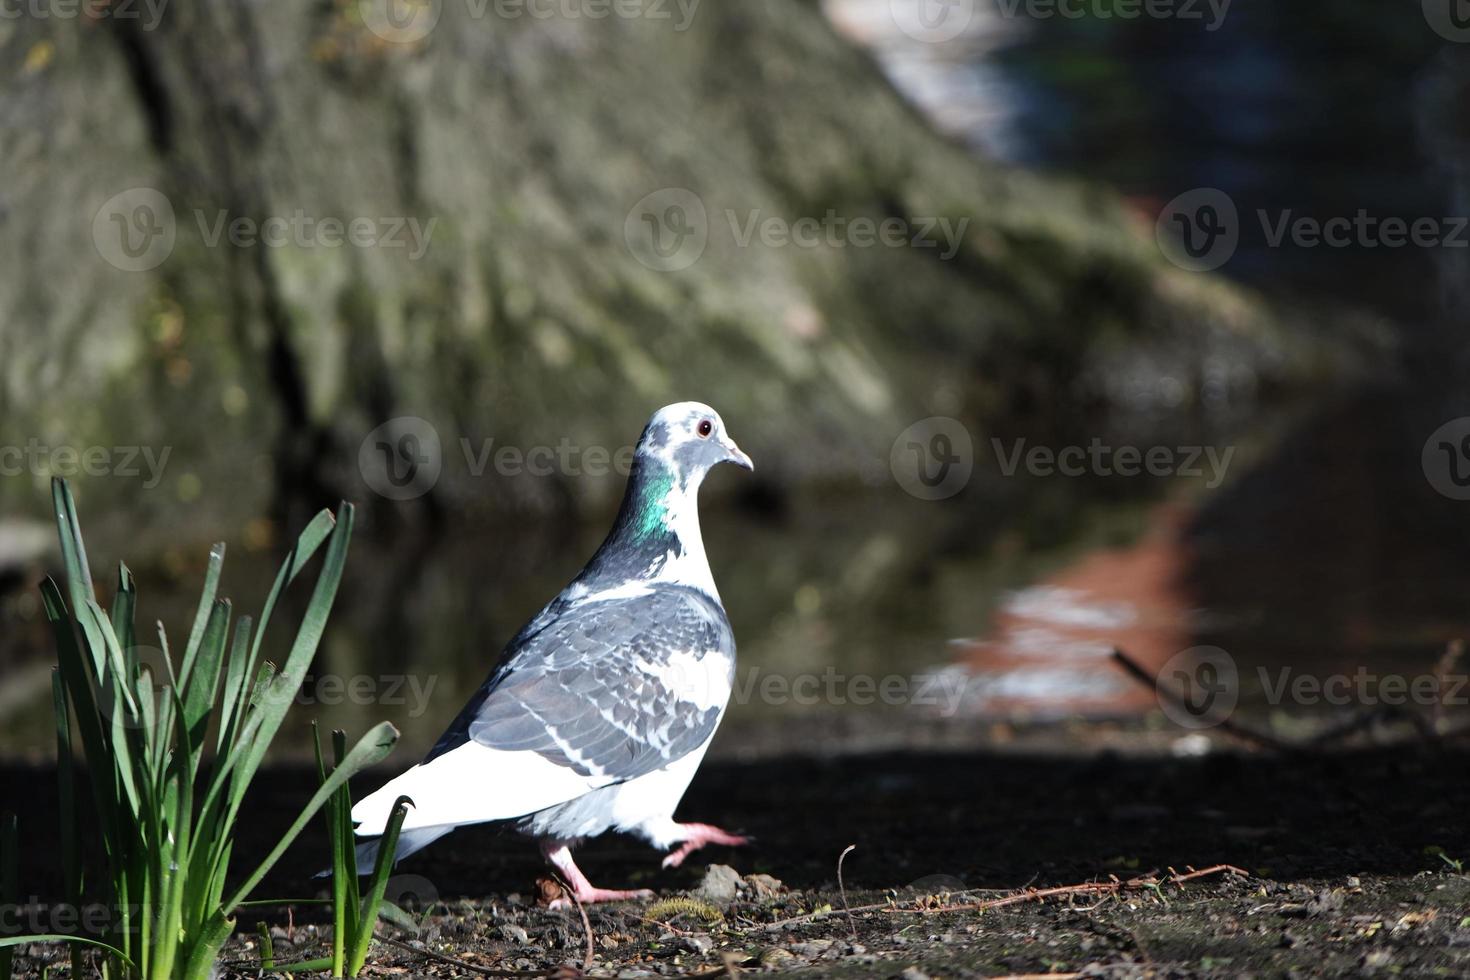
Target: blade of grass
[71,877]
[367,918]
[277,697]
[204,612]
[339,862]
[235,678]
[73,554]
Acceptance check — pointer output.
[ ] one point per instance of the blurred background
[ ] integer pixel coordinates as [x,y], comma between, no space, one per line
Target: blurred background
[1016,304]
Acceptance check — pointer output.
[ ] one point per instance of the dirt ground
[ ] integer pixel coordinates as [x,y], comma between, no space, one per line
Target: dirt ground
[1352,859]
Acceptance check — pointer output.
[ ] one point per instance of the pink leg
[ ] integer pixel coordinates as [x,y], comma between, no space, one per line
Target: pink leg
[696,836]
[559,853]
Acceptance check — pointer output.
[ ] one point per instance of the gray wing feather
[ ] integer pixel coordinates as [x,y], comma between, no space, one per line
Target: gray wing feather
[585,690]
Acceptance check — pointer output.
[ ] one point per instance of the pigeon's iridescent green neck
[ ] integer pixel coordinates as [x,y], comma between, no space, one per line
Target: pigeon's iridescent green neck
[650,513]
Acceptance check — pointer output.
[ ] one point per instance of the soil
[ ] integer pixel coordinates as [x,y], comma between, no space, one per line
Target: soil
[1352,861]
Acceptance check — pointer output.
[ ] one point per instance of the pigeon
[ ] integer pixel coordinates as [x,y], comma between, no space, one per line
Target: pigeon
[602,706]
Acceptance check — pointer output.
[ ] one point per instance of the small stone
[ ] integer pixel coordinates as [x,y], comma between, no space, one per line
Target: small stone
[697,943]
[763,886]
[721,882]
[515,934]
[913,973]
[776,958]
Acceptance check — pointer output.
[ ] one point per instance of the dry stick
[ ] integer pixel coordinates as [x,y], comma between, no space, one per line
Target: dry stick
[1028,895]
[586,923]
[1113,887]
[1244,732]
[842,889]
[485,971]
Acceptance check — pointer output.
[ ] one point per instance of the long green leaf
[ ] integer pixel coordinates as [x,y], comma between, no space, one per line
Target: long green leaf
[362,936]
[73,554]
[266,716]
[203,613]
[203,682]
[54,938]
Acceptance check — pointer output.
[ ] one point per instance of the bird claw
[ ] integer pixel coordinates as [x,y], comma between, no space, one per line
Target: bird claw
[700,834]
[591,896]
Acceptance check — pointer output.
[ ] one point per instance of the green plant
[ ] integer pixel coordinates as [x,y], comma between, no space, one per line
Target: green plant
[353,911]
[166,820]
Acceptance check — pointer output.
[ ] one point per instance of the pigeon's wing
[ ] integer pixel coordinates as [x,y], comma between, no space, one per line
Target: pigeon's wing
[609,687]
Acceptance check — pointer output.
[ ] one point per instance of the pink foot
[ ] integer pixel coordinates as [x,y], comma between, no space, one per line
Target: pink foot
[696,836]
[590,896]
[559,854]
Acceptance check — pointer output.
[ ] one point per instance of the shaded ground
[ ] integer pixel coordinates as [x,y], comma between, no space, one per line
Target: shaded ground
[1345,849]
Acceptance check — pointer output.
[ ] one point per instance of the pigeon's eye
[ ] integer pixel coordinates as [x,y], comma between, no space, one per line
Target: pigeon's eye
[705,428]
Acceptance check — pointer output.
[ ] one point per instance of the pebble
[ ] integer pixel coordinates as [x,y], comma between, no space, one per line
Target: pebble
[721,882]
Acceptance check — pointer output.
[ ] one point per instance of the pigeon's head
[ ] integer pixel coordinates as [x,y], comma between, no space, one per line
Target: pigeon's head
[689,439]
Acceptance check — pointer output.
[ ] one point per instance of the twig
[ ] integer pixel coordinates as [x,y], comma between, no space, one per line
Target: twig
[486,971]
[1113,887]
[586,923]
[842,889]
[1244,732]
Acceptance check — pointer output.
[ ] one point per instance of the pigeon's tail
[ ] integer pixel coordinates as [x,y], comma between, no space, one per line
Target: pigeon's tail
[472,783]
[408,842]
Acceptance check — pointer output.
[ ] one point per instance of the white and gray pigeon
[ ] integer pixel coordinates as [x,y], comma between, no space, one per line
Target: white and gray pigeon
[601,707]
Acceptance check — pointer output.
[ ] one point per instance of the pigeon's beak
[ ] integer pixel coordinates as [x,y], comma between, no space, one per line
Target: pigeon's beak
[735,455]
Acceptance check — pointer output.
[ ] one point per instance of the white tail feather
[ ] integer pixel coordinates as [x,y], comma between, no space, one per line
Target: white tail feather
[408,842]
[472,784]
